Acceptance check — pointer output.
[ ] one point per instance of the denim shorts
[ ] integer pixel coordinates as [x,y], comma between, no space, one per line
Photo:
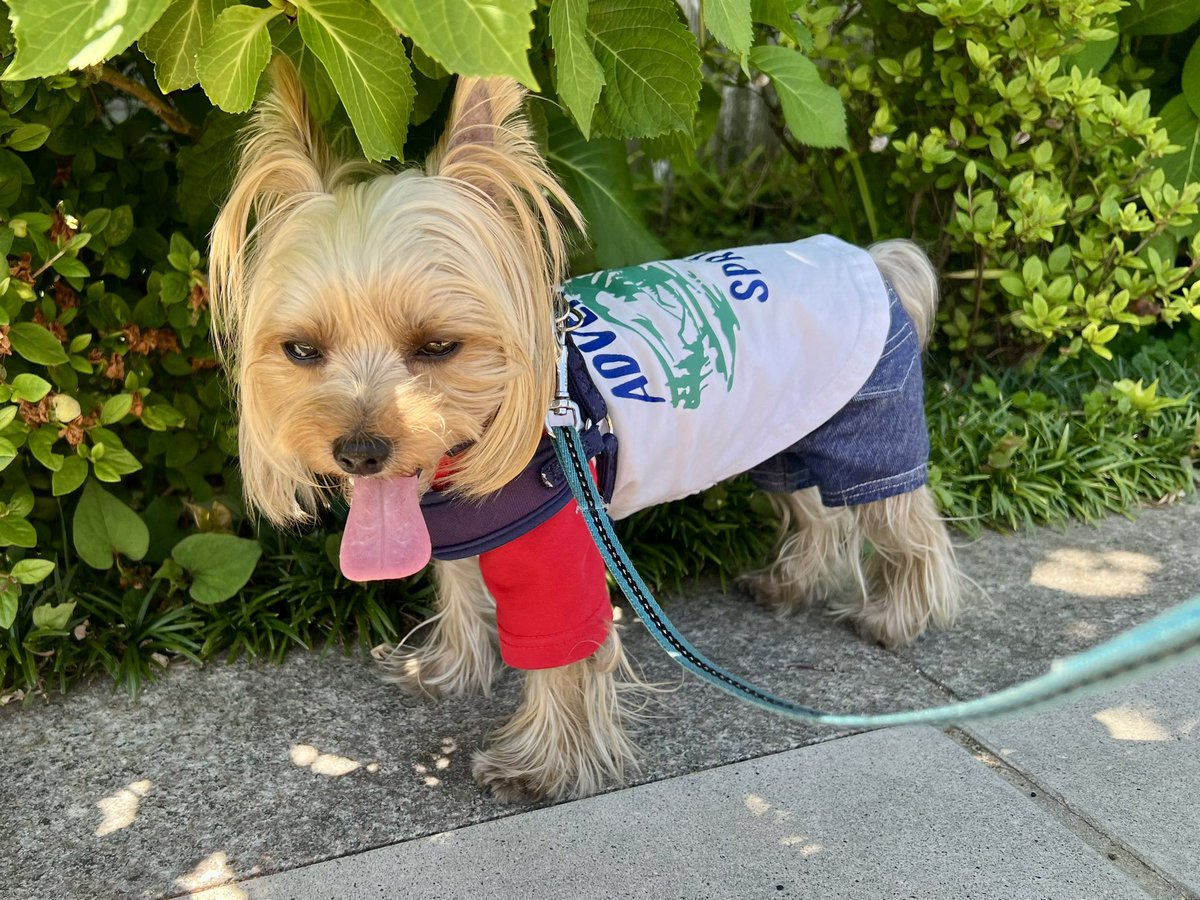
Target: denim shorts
[877,445]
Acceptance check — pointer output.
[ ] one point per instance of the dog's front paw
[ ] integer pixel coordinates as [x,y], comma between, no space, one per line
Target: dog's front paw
[513,786]
[438,671]
[523,774]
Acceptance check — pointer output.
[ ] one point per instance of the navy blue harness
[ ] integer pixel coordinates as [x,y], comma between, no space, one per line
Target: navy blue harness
[461,527]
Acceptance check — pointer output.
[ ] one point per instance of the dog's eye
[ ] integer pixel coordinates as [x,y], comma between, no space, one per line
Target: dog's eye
[437,349]
[300,352]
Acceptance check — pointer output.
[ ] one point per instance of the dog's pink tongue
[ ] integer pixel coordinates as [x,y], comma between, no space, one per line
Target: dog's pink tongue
[385,534]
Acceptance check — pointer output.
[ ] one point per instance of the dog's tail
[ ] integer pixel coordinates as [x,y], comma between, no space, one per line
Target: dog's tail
[911,273]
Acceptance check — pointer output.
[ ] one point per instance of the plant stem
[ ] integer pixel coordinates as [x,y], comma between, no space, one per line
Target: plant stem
[157,105]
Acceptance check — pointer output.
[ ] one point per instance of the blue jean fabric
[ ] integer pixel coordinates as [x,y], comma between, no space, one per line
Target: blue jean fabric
[877,445]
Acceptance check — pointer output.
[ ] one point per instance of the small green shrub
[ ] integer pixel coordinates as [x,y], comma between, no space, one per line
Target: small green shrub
[1080,439]
[1016,139]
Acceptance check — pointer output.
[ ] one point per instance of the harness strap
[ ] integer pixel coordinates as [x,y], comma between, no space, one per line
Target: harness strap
[1166,639]
[459,528]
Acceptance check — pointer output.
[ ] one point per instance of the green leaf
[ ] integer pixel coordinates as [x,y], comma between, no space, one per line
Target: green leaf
[174,288]
[162,416]
[596,173]
[1093,57]
[233,56]
[10,595]
[220,564]
[16,532]
[103,525]
[579,76]
[1191,78]
[651,67]
[182,254]
[70,475]
[32,571]
[70,267]
[115,462]
[175,39]
[470,37]
[21,502]
[322,96]
[56,35]
[36,344]
[1183,127]
[41,443]
[366,61]
[813,110]
[8,452]
[29,387]
[115,408]
[778,14]
[1158,17]
[24,138]
[729,22]
[53,618]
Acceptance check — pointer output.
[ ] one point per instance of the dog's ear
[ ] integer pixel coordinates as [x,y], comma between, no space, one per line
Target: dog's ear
[488,144]
[284,159]
[489,153]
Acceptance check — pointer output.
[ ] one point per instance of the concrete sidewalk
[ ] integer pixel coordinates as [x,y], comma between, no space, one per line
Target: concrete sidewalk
[314,780]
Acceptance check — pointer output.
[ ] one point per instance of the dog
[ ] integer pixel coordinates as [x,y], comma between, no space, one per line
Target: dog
[395,336]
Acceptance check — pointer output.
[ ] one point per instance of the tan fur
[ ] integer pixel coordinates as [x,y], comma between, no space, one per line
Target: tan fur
[814,555]
[311,269]
[907,267]
[460,658]
[369,265]
[569,737]
[909,578]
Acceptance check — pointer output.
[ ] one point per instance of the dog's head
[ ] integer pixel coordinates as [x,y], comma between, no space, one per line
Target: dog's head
[371,321]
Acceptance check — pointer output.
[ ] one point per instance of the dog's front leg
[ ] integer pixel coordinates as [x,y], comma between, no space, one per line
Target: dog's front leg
[460,657]
[568,738]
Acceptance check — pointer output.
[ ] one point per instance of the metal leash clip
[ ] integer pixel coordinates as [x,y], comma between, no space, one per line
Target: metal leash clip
[563,412]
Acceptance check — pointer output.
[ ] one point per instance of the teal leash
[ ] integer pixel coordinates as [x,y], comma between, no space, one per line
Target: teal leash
[1164,640]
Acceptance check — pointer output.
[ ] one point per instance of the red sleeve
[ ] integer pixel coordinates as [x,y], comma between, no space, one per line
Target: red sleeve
[552,604]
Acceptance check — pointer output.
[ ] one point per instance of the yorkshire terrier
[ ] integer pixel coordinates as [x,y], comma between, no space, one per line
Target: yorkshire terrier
[395,336]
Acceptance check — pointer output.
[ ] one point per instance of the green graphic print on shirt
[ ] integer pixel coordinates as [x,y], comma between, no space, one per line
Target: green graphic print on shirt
[687,323]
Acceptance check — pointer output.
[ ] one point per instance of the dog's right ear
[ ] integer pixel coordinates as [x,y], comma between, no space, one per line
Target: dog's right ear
[284,159]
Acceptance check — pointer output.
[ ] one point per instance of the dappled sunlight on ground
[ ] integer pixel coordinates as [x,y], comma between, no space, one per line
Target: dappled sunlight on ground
[121,808]
[439,762]
[1124,723]
[210,872]
[306,756]
[760,808]
[1127,723]
[1087,573]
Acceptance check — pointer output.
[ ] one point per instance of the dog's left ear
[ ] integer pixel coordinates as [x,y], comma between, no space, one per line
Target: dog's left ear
[488,151]
[488,145]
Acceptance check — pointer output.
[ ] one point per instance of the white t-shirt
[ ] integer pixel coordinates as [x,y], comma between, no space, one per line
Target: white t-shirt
[712,364]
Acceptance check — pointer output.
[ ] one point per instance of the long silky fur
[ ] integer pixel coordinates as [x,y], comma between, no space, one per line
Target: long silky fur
[460,657]
[909,578]
[570,736]
[331,255]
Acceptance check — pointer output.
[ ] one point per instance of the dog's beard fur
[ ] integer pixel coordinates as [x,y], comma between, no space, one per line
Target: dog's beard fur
[369,267]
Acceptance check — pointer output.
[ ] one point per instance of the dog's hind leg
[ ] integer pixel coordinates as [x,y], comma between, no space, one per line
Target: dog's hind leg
[461,655]
[911,578]
[815,548]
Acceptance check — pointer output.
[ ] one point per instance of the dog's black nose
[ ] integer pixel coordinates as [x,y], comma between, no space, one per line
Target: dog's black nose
[362,454]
